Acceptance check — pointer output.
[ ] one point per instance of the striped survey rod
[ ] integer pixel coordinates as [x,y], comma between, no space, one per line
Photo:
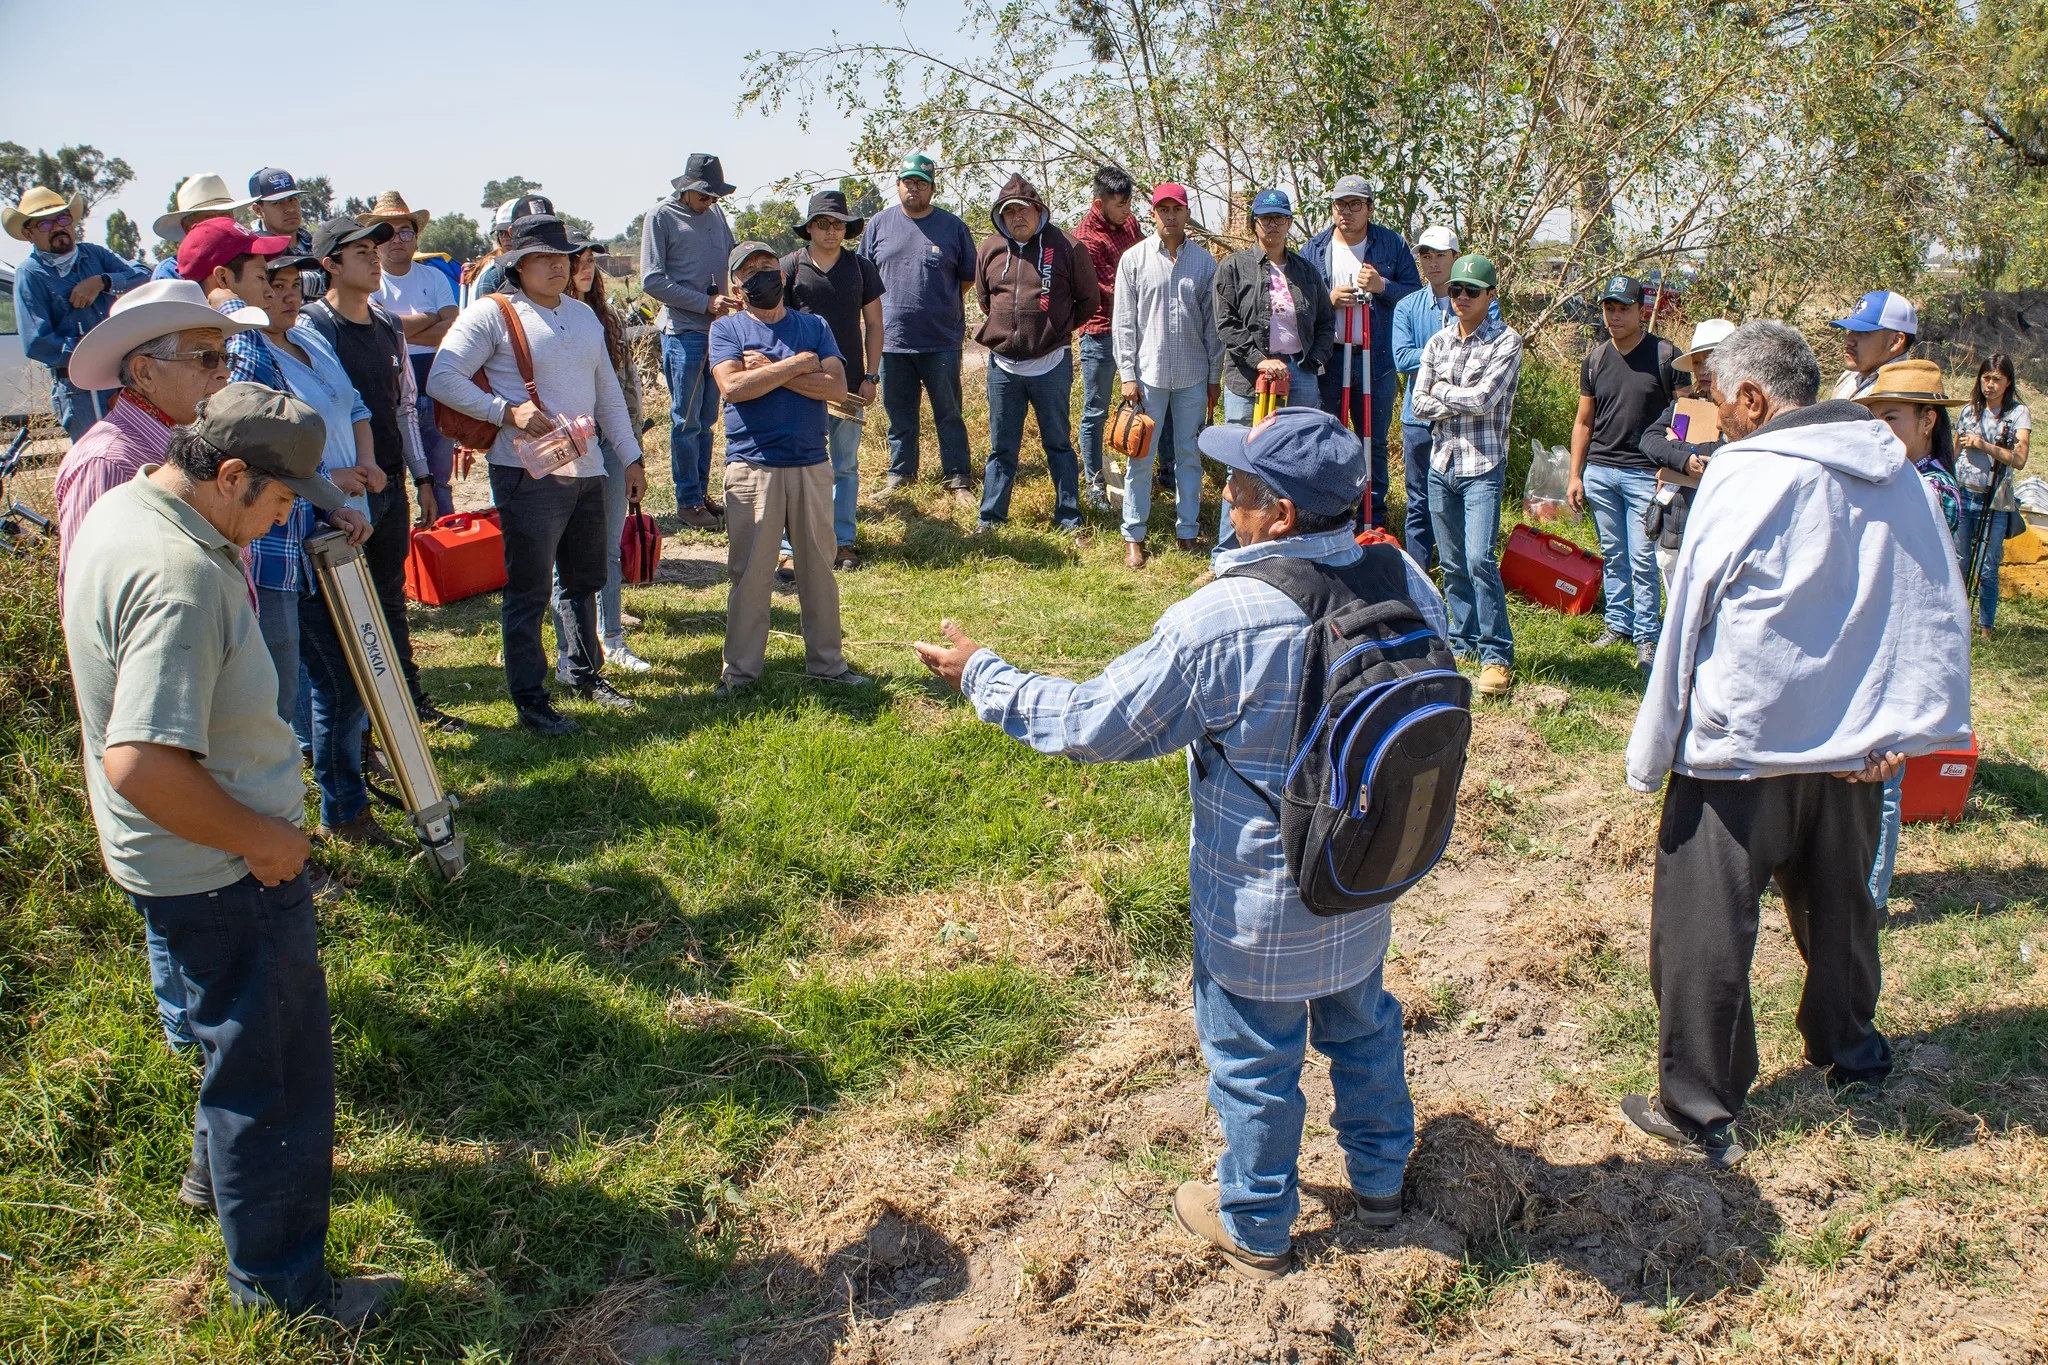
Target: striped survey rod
[365,638]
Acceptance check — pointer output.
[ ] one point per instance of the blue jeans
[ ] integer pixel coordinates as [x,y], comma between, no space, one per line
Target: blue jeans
[1466,514]
[1178,413]
[338,716]
[1887,841]
[1331,394]
[1048,395]
[1237,411]
[1977,514]
[609,626]
[692,414]
[248,957]
[936,374]
[277,616]
[1255,1049]
[77,409]
[168,988]
[1619,499]
[1098,391]
[439,450]
[1417,441]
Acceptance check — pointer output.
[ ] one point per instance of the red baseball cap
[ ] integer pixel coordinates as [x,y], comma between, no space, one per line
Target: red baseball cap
[215,242]
[1170,193]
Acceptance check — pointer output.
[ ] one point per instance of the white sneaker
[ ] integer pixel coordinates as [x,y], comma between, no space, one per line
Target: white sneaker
[618,656]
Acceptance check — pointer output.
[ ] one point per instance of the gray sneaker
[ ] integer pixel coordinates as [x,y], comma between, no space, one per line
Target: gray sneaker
[1719,1150]
[1646,655]
[849,678]
[892,482]
[1609,639]
[360,1299]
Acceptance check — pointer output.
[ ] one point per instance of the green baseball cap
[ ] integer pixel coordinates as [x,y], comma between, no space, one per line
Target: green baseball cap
[918,166]
[273,433]
[1474,269]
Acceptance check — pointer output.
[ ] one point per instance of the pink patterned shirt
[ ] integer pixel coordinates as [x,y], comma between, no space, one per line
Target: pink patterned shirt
[111,453]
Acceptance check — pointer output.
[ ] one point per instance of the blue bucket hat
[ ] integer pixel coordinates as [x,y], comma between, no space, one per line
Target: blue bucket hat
[1304,454]
[1271,201]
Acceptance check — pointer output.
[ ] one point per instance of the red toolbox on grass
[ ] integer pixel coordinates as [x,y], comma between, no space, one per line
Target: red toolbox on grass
[1551,571]
[1937,784]
[458,556]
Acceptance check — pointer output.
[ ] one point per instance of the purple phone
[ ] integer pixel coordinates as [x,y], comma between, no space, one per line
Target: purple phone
[1679,423]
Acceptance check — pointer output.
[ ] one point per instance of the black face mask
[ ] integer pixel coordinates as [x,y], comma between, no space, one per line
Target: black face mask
[763,288]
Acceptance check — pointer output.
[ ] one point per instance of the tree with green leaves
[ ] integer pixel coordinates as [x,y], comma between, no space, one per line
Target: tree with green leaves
[504,191]
[863,197]
[454,234]
[316,194]
[123,237]
[80,170]
[773,221]
[1774,144]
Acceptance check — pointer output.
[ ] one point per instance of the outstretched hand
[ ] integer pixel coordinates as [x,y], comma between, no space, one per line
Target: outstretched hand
[1876,768]
[948,661]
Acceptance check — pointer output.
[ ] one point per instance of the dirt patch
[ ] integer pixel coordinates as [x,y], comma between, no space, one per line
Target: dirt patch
[1057,929]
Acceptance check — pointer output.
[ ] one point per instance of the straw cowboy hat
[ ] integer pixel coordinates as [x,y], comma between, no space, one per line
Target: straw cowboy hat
[144,313]
[40,203]
[200,194]
[391,208]
[1910,381]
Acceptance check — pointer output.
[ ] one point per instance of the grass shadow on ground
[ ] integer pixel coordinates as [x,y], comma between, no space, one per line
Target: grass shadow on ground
[1651,1230]
[2022,787]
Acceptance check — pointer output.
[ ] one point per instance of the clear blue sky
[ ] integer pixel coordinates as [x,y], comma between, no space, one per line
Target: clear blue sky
[435,99]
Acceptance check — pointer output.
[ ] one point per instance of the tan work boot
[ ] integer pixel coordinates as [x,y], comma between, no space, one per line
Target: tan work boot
[363,832]
[1194,1208]
[1496,680]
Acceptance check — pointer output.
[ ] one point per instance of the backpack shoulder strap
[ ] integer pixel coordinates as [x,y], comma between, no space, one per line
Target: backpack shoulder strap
[522,353]
[1307,584]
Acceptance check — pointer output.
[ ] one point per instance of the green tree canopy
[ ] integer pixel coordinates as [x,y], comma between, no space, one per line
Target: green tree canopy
[511,187]
[69,170]
[316,196]
[123,237]
[456,234]
[772,221]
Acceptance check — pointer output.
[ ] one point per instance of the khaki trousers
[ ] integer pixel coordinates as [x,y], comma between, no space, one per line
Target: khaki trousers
[762,505]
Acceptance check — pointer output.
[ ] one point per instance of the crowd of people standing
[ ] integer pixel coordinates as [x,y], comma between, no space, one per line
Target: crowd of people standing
[286,381]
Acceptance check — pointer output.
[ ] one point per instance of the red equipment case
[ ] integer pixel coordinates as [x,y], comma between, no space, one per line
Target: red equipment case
[1551,571]
[639,547]
[1937,784]
[458,556]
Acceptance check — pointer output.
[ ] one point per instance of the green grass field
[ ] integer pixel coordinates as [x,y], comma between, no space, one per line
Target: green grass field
[560,1070]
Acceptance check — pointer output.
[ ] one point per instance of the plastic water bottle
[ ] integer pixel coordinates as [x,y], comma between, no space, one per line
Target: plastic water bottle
[569,438]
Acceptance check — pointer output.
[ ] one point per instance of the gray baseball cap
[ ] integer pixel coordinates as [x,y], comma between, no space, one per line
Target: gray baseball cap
[1350,187]
[738,255]
[273,433]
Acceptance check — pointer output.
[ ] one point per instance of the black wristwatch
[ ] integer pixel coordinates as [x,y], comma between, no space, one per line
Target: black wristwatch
[871,378]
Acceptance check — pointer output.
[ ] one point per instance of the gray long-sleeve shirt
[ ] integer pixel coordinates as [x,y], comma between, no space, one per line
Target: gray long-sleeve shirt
[571,369]
[682,262]
[1164,326]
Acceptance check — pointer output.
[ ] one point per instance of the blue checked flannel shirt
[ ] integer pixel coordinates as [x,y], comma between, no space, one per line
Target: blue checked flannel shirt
[1227,661]
[277,558]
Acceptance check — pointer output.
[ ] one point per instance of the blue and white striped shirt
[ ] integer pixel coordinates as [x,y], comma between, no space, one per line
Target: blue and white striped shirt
[1225,662]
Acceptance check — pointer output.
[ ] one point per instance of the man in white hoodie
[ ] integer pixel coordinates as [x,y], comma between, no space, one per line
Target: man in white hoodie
[1816,636]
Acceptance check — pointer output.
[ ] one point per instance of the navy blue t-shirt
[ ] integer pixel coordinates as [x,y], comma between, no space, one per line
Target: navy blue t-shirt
[781,428]
[923,263]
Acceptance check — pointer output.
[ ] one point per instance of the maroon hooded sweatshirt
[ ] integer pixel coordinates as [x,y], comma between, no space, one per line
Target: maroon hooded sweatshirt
[1036,290]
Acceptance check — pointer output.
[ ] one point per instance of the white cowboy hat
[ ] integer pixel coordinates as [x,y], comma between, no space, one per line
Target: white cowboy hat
[1705,338]
[200,194]
[144,313]
[41,203]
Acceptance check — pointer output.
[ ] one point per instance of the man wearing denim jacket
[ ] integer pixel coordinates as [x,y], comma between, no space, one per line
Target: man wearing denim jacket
[1270,976]
[63,290]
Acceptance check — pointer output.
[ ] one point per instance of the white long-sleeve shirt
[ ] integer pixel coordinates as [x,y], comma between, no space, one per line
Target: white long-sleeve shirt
[1816,615]
[571,369]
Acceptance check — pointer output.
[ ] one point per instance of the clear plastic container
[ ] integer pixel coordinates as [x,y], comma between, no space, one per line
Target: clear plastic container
[569,438]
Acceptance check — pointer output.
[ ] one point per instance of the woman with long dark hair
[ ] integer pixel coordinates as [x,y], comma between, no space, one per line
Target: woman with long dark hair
[1992,434]
[586,284]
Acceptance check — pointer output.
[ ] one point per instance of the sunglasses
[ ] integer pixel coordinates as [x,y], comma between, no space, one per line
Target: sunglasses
[1466,291]
[404,234]
[52,223]
[206,360]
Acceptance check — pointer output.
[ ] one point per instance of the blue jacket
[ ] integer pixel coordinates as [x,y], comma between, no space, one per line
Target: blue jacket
[1388,254]
[50,326]
[1417,318]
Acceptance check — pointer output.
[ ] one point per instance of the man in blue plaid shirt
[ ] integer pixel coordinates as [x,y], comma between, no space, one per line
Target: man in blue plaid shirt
[1270,975]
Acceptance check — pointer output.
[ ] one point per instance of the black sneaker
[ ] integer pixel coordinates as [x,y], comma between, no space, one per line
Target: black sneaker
[607,696]
[1376,1210]
[1854,1087]
[1721,1151]
[544,719]
[196,1189]
[434,718]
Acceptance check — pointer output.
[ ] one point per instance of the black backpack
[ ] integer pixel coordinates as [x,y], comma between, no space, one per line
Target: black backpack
[1380,736]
